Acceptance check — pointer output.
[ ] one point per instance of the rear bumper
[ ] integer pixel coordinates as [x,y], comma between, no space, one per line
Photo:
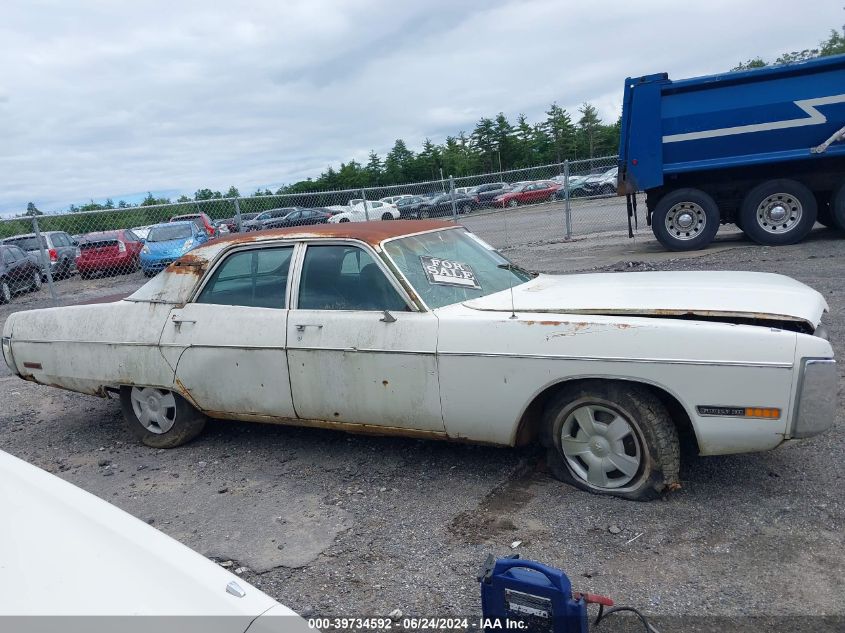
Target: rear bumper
[815,404]
[106,263]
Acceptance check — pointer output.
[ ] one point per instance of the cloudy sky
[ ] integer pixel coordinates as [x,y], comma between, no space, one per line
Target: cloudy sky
[112,99]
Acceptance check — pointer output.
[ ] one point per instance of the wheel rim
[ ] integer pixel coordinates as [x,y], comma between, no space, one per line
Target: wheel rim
[601,446]
[154,408]
[466,209]
[685,221]
[387,216]
[36,280]
[512,203]
[6,291]
[423,214]
[779,213]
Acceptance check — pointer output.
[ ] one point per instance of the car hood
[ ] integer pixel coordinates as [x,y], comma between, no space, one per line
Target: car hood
[64,551]
[711,295]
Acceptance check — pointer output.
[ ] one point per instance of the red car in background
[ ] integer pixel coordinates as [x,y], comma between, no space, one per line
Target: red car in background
[201,219]
[527,193]
[109,252]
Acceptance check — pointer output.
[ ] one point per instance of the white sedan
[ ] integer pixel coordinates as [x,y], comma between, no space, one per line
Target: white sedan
[420,328]
[65,552]
[365,211]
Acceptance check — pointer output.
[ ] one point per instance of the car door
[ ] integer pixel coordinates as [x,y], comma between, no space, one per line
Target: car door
[228,343]
[352,362]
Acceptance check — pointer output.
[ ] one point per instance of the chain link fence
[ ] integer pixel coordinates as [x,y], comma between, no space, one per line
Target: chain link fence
[116,249]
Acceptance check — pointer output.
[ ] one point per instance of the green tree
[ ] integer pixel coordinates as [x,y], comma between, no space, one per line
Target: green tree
[232,192]
[374,169]
[31,209]
[484,144]
[151,200]
[589,125]
[558,126]
[207,194]
[183,198]
[398,163]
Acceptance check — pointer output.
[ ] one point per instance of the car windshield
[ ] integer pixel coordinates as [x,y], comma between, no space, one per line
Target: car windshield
[167,233]
[451,266]
[29,243]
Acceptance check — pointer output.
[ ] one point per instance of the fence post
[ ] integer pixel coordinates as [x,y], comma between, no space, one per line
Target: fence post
[238,215]
[566,209]
[366,209]
[452,195]
[45,259]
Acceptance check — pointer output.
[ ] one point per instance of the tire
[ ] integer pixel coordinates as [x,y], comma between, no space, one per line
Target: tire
[466,209]
[386,216]
[837,207]
[84,274]
[761,209]
[513,203]
[646,440]
[168,420]
[343,220]
[5,292]
[675,209]
[35,286]
[424,214]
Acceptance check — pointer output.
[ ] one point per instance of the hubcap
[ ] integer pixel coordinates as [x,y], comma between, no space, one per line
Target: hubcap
[600,446]
[154,408]
[685,220]
[779,213]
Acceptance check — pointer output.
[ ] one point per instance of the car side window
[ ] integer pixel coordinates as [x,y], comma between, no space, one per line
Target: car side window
[8,256]
[336,277]
[255,278]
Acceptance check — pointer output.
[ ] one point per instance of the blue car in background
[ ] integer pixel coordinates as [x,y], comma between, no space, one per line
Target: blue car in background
[167,242]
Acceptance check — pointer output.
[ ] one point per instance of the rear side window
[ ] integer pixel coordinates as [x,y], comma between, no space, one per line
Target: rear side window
[8,256]
[256,278]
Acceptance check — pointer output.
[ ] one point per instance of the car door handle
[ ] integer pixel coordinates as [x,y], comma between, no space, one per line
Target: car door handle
[180,321]
[301,327]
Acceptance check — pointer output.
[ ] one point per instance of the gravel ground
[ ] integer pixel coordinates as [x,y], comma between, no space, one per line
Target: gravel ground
[333,524]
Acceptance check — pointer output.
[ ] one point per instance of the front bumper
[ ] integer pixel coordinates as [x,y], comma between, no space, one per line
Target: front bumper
[157,263]
[815,406]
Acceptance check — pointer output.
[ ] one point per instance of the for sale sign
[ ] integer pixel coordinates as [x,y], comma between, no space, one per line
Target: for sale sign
[448,272]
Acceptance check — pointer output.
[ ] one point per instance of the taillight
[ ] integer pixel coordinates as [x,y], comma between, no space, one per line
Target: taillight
[121,247]
[53,256]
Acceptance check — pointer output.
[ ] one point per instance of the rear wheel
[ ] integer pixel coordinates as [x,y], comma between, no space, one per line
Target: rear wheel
[425,214]
[611,438]
[513,203]
[35,286]
[343,220]
[160,418]
[778,212]
[386,216]
[837,207]
[466,209]
[685,220]
[5,292]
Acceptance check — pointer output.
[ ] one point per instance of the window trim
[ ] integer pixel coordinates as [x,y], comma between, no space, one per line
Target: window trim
[293,303]
[223,256]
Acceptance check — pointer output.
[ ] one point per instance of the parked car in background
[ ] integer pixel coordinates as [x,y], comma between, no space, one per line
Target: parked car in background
[259,221]
[403,327]
[582,185]
[408,207]
[200,218]
[167,242]
[64,541]
[442,205]
[487,192]
[109,252]
[18,273]
[527,193]
[603,184]
[395,199]
[141,231]
[299,217]
[334,209]
[366,210]
[59,248]
[231,223]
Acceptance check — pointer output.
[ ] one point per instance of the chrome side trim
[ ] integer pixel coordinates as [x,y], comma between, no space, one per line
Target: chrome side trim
[617,359]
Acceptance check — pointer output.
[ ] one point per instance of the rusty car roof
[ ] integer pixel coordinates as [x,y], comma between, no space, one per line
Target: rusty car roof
[373,233]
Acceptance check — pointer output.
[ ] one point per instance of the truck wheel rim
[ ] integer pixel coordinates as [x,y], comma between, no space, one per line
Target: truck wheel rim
[601,446]
[154,408]
[685,220]
[779,213]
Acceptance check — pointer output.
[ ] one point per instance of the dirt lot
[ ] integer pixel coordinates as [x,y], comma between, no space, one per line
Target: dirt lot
[332,524]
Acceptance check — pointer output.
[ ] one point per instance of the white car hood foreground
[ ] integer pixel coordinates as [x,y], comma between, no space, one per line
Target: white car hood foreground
[758,296]
[65,552]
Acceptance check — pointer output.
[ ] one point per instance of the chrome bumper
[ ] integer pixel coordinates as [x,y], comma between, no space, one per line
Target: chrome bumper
[7,354]
[815,406]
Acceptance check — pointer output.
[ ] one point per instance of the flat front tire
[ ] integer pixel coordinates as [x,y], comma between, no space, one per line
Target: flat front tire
[685,220]
[777,212]
[160,418]
[611,438]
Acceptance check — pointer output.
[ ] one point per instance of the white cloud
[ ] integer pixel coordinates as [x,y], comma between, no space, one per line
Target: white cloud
[98,98]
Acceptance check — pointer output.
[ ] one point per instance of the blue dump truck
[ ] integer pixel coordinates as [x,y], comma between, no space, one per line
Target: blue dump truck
[763,149]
